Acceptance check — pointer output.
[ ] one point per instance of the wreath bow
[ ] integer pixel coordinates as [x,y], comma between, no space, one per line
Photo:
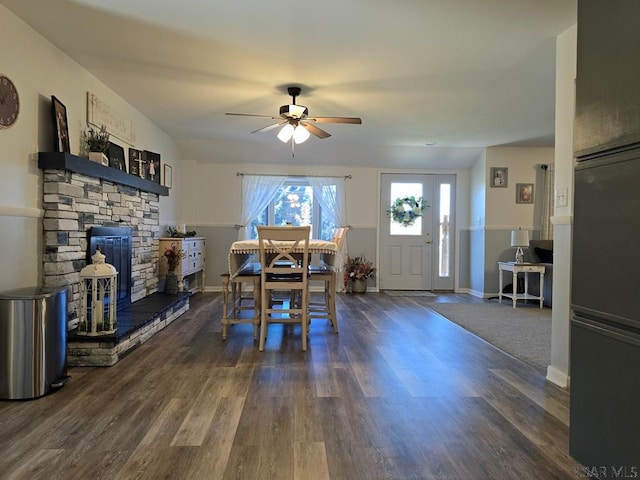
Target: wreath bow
[405,210]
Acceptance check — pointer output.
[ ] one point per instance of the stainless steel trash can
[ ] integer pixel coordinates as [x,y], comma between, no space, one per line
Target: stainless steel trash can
[33,342]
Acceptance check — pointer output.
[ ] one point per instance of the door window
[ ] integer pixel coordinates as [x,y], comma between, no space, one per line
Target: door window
[444,240]
[402,190]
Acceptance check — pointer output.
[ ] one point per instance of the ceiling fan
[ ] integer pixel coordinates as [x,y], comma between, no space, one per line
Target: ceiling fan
[297,125]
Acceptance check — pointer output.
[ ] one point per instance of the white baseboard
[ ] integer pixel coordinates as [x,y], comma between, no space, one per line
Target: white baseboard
[473,293]
[558,377]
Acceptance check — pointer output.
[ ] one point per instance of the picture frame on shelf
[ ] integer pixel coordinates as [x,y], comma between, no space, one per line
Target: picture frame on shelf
[136,163]
[152,166]
[116,157]
[524,192]
[60,126]
[499,177]
[168,175]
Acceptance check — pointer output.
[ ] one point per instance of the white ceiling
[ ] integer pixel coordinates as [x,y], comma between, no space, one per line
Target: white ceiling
[464,74]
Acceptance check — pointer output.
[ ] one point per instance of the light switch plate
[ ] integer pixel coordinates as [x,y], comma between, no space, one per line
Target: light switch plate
[562,197]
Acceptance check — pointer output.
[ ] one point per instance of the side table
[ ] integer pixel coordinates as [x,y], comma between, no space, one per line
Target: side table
[515,269]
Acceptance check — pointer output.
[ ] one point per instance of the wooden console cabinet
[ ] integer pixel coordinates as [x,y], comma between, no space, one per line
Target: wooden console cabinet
[191,269]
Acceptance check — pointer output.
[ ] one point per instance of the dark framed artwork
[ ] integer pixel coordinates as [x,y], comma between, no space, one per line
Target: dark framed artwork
[499,177]
[152,166]
[116,157]
[60,126]
[524,192]
[136,163]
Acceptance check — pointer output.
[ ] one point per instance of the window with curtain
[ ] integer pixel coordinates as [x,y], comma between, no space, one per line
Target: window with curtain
[300,201]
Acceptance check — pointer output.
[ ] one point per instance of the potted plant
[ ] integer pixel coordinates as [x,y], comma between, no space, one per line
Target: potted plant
[97,144]
[173,254]
[356,272]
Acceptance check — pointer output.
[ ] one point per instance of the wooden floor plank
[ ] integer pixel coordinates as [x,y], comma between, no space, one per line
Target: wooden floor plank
[212,459]
[310,461]
[554,407]
[399,393]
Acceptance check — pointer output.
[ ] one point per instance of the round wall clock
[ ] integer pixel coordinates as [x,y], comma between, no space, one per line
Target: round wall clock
[9,102]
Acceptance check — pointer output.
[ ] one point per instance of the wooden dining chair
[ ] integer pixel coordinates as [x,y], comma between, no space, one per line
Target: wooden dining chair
[240,299]
[284,259]
[326,308]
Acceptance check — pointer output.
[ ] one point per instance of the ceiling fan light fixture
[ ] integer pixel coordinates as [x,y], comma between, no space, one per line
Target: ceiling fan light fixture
[293,111]
[286,133]
[293,120]
[300,134]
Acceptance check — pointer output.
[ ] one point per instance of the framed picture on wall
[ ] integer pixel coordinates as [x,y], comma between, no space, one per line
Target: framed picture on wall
[152,166]
[524,192]
[136,163]
[499,176]
[60,126]
[168,176]
[116,157]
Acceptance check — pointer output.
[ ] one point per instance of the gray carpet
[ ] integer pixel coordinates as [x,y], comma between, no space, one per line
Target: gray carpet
[408,293]
[523,332]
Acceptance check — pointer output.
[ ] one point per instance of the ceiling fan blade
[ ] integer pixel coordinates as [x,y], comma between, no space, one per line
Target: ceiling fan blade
[252,115]
[269,127]
[318,132]
[352,120]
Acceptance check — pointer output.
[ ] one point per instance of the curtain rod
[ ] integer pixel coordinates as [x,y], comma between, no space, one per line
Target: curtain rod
[241,174]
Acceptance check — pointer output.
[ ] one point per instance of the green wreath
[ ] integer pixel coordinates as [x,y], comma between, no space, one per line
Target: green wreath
[405,210]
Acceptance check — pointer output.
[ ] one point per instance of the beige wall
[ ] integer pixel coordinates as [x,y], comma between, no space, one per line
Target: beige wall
[215,190]
[500,207]
[40,70]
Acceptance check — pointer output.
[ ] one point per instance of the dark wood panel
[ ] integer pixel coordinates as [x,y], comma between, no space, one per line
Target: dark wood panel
[400,393]
[608,76]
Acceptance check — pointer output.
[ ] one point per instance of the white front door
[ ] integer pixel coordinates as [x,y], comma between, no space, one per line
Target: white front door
[417,256]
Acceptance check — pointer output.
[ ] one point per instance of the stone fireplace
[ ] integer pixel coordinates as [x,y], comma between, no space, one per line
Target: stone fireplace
[76,198]
[85,205]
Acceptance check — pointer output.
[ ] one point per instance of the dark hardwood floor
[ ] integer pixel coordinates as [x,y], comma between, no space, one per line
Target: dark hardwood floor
[400,393]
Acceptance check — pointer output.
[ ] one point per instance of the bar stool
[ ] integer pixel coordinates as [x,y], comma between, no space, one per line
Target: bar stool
[284,258]
[248,274]
[326,308]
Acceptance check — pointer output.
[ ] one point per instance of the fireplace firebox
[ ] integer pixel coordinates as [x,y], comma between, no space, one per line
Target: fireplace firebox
[116,244]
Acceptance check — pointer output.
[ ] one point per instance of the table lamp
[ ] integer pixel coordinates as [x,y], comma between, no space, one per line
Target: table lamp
[519,238]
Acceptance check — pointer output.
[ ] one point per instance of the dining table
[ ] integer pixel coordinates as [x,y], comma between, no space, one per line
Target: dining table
[244,252]
[244,260]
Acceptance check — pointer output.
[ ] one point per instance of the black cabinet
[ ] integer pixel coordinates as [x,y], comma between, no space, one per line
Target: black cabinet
[608,76]
[604,417]
[606,237]
[605,300]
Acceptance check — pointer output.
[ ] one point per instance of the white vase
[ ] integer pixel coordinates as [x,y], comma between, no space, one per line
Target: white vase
[99,157]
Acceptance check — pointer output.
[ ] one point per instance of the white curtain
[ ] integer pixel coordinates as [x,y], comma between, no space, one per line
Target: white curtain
[332,201]
[257,193]
[546,228]
[334,208]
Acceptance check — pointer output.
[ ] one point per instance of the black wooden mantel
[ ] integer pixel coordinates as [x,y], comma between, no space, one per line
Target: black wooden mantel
[84,166]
